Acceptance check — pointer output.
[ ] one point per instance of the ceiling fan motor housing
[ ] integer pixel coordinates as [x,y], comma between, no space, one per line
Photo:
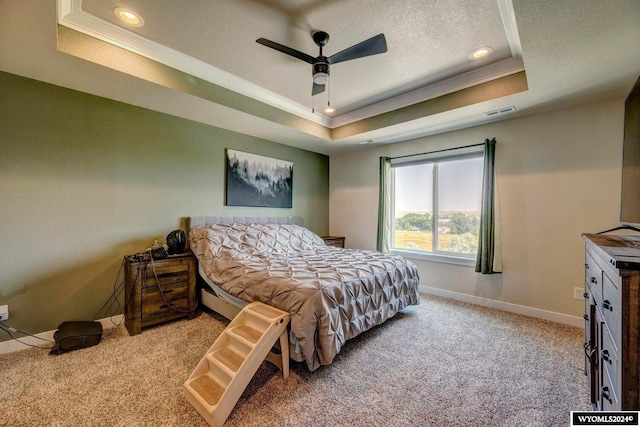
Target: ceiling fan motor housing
[321,70]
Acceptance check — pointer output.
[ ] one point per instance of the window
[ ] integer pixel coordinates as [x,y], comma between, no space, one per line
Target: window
[436,206]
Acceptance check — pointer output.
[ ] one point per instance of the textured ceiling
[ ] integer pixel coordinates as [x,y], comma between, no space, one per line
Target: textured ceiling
[427,41]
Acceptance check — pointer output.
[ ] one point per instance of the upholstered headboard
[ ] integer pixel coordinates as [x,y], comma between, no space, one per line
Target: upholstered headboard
[197,221]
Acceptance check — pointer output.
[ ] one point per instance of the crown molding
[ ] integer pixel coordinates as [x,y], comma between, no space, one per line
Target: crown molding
[508,16]
[471,78]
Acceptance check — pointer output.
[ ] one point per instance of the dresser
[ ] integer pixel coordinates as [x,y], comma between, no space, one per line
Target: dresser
[158,290]
[612,316]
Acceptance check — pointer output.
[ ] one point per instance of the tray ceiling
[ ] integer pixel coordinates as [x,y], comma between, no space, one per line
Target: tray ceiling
[427,41]
[199,60]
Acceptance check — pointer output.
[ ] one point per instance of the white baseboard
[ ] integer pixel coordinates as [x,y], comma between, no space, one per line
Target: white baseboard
[13,345]
[506,306]
[28,341]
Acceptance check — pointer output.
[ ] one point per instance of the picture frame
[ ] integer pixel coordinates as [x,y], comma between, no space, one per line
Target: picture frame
[258,181]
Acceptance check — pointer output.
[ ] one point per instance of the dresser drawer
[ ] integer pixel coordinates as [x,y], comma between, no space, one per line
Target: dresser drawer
[611,307]
[609,357]
[608,398]
[593,277]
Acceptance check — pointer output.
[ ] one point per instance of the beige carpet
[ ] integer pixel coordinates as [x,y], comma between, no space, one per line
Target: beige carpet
[441,363]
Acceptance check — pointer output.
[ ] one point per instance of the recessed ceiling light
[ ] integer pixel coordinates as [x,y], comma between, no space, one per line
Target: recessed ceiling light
[128,16]
[480,52]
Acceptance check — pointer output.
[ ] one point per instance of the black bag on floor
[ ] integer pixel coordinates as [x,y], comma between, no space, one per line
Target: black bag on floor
[76,335]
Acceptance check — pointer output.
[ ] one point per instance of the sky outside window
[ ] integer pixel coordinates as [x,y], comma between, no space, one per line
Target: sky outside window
[459,188]
[414,188]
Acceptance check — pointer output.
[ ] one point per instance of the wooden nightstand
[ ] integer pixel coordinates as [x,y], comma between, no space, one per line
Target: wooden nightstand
[150,301]
[336,241]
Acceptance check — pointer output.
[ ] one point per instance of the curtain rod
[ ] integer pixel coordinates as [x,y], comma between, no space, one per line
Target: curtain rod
[436,151]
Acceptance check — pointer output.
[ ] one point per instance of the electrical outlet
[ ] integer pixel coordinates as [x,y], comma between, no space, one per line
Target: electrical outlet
[4,312]
[577,293]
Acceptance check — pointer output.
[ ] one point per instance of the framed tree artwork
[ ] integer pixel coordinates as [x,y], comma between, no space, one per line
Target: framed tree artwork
[254,180]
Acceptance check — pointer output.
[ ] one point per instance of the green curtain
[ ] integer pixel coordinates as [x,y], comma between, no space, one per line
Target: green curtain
[384,206]
[487,243]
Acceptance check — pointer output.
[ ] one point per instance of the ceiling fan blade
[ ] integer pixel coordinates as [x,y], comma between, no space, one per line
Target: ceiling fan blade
[317,89]
[373,46]
[289,51]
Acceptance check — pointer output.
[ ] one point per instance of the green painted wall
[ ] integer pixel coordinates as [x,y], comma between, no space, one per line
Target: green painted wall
[86,180]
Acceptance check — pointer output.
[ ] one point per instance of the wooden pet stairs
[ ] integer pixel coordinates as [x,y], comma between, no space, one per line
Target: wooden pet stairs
[218,381]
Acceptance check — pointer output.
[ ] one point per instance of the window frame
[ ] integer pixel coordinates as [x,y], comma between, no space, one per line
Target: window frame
[437,255]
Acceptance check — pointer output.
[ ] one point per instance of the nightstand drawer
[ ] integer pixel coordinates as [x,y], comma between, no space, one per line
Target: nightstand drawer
[169,290]
[152,309]
[164,274]
[336,241]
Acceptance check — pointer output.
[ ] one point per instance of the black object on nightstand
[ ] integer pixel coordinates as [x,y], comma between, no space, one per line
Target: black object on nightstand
[159,290]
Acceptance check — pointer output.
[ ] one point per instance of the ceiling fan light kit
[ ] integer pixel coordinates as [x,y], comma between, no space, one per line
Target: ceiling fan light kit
[320,78]
[320,73]
[320,64]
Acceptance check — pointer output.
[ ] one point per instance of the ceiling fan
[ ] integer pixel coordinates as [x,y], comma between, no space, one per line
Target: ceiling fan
[320,70]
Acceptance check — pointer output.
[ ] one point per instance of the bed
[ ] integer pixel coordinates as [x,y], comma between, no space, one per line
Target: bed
[333,294]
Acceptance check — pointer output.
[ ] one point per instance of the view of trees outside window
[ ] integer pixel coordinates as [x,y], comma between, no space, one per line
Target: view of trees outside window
[457,220]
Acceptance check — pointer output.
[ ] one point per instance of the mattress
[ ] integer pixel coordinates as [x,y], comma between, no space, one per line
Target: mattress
[333,294]
[294,346]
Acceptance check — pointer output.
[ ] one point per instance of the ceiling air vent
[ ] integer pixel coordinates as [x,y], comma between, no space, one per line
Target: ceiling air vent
[500,111]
